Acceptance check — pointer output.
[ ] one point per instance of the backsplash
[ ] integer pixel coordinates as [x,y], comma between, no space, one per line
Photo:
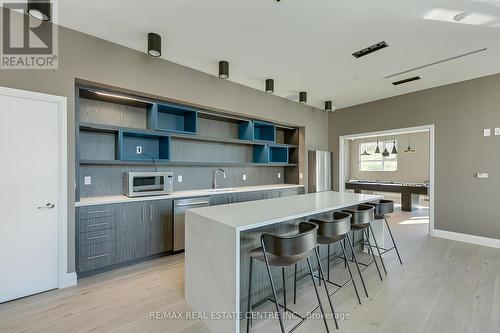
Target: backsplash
[107,179]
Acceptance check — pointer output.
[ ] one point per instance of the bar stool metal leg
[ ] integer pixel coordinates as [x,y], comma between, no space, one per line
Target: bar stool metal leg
[393,242]
[378,249]
[373,254]
[284,286]
[317,296]
[322,275]
[295,284]
[350,273]
[328,265]
[249,306]
[276,302]
[357,264]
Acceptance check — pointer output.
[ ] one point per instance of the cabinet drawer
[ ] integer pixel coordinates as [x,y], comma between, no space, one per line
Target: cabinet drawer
[91,212]
[96,256]
[87,238]
[95,224]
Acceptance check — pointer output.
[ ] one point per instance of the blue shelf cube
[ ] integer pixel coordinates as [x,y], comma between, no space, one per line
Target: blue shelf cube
[264,131]
[261,154]
[172,118]
[278,154]
[151,145]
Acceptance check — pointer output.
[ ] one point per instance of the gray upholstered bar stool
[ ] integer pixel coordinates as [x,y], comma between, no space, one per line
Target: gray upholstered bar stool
[284,251]
[382,210]
[362,216]
[331,232]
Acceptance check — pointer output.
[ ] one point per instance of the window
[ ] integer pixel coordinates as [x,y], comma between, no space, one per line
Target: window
[377,162]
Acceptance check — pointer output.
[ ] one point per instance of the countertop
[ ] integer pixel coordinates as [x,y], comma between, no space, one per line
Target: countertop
[111,199]
[253,214]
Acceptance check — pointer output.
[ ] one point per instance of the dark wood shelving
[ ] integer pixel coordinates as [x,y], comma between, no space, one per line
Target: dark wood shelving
[180,163]
[111,129]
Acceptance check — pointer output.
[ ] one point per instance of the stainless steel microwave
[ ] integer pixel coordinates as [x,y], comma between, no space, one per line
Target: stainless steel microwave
[137,184]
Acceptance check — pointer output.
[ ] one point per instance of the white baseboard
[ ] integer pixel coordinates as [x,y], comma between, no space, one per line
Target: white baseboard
[67,280]
[472,239]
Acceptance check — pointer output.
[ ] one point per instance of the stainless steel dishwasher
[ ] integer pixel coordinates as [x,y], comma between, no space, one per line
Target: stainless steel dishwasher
[180,207]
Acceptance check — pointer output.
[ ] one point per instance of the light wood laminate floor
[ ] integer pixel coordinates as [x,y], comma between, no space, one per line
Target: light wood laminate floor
[444,286]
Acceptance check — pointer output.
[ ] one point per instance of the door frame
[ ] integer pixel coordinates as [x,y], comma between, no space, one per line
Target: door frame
[343,160]
[65,279]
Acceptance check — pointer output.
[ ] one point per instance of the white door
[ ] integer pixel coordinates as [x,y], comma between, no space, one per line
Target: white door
[29,186]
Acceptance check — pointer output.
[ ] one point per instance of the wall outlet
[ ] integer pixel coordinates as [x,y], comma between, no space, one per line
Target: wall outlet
[244,177]
[87,180]
[301,175]
[279,175]
[497,130]
[138,150]
[486,132]
[482,175]
[179,178]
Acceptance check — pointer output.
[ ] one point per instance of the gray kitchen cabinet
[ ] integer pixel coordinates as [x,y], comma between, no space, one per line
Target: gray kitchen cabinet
[221,199]
[249,196]
[131,231]
[159,226]
[291,191]
[272,194]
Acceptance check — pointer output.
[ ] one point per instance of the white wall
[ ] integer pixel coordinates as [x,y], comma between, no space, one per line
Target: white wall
[411,167]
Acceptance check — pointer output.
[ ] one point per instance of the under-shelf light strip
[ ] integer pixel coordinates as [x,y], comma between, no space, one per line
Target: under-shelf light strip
[121,97]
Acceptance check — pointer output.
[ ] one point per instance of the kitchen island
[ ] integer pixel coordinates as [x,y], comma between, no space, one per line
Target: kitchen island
[219,239]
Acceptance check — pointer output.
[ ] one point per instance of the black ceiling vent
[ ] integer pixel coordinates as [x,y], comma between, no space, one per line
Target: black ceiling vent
[415,78]
[370,49]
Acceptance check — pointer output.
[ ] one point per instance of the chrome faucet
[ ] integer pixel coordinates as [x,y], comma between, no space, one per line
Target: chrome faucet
[216,185]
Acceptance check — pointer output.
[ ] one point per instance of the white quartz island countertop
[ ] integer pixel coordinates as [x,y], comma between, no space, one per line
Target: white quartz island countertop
[213,250]
[254,214]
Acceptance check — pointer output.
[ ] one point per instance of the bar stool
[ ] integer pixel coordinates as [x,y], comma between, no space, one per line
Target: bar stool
[284,251]
[362,216]
[331,232]
[382,209]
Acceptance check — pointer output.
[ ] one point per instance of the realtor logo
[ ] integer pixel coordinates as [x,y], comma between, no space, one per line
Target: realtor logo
[28,42]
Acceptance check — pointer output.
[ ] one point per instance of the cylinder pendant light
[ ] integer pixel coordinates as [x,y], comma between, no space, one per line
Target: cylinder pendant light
[328,106]
[303,97]
[223,69]
[154,44]
[39,9]
[270,86]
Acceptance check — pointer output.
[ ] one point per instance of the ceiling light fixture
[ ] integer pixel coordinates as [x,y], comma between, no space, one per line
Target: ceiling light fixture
[394,150]
[385,153]
[223,69]
[409,149]
[303,97]
[154,44]
[39,9]
[377,150]
[328,106]
[270,86]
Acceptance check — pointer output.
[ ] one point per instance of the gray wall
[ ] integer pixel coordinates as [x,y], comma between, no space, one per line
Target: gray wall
[459,112]
[412,167]
[89,58]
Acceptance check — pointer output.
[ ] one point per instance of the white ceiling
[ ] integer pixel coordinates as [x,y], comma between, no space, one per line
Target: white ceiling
[307,44]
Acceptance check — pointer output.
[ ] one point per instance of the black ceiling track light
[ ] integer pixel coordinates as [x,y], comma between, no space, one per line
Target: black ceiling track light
[328,106]
[39,9]
[270,86]
[154,44]
[223,69]
[303,97]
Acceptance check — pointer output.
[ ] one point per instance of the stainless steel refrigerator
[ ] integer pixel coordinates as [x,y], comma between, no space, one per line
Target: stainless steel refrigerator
[319,170]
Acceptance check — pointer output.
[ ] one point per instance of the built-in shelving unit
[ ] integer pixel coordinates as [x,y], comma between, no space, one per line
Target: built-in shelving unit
[119,129]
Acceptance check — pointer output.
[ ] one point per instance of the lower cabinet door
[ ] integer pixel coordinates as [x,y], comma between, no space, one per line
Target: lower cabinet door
[249,196]
[131,231]
[220,199]
[159,234]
